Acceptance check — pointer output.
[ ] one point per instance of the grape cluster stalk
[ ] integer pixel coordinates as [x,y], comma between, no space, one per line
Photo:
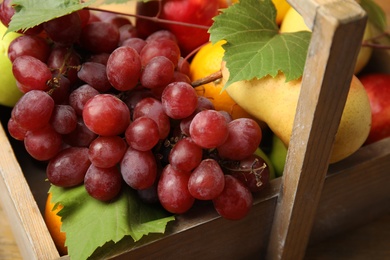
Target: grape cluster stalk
[105,108]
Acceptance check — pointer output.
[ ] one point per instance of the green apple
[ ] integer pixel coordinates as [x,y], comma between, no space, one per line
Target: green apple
[278,155]
[9,92]
[261,153]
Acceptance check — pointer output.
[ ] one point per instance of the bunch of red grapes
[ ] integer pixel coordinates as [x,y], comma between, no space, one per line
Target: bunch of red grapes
[105,108]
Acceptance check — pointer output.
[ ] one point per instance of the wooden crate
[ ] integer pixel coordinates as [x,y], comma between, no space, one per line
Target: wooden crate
[311,202]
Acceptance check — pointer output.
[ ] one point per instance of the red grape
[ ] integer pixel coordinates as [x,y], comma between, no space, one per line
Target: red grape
[103,183]
[139,168]
[185,155]
[106,115]
[209,129]
[207,180]
[172,190]
[61,170]
[235,201]
[244,137]
[107,151]
[142,134]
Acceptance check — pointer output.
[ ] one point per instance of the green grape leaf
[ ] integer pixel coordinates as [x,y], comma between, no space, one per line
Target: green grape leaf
[254,47]
[90,224]
[375,14]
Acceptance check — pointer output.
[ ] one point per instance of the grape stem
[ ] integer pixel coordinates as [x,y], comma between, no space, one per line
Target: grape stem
[210,78]
[152,18]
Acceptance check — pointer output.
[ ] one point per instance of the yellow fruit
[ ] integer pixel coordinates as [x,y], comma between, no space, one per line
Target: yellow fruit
[281,6]
[293,22]
[206,62]
[54,223]
[9,92]
[274,101]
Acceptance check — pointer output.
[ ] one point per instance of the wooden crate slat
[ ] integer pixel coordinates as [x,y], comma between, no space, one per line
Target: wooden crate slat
[321,102]
[31,233]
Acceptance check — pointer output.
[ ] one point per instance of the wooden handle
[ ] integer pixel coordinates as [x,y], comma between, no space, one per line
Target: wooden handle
[338,28]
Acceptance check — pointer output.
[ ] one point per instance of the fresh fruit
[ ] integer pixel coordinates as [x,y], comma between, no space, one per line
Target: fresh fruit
[54,223]
[124,116]
[206,62]
[197,12]
[282,6]
[377,86]
[278,107]
[9,92]
[272,171]
[294,22]
[278,155]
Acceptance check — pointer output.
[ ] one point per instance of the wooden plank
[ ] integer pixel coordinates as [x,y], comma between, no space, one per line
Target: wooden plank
[321,102]
[28,226]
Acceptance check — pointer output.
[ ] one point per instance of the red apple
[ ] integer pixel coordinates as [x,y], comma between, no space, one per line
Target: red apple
[377,86]
[198,12]
[192,12]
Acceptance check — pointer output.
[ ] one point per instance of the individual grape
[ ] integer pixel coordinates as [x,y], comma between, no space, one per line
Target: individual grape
[124,68]
[106,115]
[149,195]
[203,104]
[15,130]
[81,136]
[7,11]
[68,167]
[59,88]
[179,76]
[107,151]
[145,27]
[207,180]
[114,19]
[103,184]
[29,45]
[101,58]
[135,43]
[31,73]
[126,31]
[179,100]
[135,96]
[33,110]
[235,201]
[43,143]
[97,37]
[227,116]
[183,66]
[161,34]
[142,134]
[64,60]
[138,168]
[63,119]
[152,108]
[172,190]
[157,73]
[80,96]
[185,155]
[209,129]
[65,29]
[160,47]
[244,137]
[94,74]
[253,171]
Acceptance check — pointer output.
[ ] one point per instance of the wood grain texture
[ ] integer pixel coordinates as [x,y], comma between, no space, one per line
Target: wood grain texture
[30,231]
[320,105]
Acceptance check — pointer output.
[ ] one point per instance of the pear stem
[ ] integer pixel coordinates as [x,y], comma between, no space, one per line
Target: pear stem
[210,78]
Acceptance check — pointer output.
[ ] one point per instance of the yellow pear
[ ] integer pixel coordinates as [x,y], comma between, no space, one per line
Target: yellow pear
[293,22]
[274,101]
